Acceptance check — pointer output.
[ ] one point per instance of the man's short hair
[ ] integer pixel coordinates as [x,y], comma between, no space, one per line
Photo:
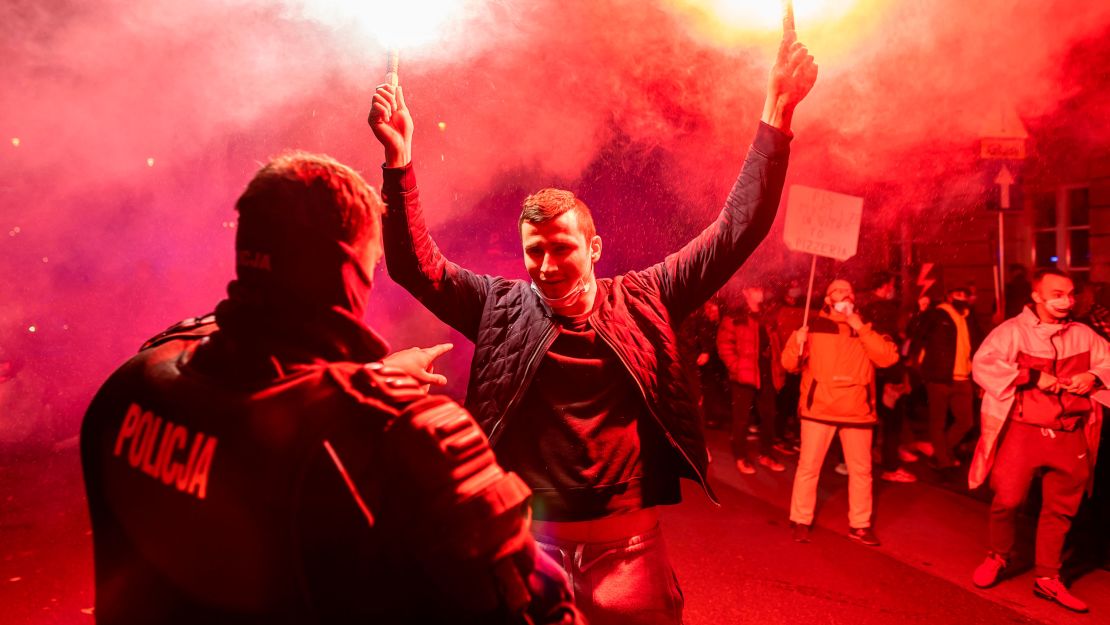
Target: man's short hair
[1040,274]
[547,204]
[312,195]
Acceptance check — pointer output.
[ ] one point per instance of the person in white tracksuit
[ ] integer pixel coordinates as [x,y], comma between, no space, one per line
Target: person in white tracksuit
[1043,374]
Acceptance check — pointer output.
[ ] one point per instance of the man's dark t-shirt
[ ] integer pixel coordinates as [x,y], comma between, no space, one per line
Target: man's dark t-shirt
[584,440]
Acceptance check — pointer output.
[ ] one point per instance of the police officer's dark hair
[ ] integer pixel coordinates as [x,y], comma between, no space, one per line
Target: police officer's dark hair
[319,191]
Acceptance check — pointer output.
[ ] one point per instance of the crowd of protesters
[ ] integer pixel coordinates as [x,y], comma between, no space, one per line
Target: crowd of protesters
[344,471]
[903,386]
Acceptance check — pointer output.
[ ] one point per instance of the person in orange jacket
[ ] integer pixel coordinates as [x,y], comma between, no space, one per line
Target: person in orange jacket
[837,355]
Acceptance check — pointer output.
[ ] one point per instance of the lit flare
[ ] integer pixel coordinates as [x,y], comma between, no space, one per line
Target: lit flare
[823,24]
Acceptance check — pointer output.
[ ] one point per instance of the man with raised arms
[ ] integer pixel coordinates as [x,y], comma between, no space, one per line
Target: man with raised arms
[577,379]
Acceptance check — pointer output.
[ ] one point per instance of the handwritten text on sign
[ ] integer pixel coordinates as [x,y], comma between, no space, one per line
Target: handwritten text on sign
[822,222]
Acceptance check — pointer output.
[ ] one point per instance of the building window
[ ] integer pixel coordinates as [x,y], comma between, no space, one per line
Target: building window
[1062,228]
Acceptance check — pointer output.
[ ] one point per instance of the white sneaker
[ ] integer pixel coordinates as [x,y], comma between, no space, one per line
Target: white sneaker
[771,463]
[745,467]
[905,455]
[901,475]
[925,448]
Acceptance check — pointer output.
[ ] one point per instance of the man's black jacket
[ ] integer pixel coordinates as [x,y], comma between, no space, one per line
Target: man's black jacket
[935,333]
[512,327]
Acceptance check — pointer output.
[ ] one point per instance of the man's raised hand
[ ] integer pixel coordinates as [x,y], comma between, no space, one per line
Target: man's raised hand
[392,124]
[792,77]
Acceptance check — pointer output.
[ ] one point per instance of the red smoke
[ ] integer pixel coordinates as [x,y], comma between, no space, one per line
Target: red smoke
[629,102]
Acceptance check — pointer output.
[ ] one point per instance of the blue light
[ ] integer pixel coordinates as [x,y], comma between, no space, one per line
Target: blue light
[1054,259]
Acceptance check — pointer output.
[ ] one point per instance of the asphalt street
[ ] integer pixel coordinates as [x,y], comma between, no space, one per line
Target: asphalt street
[737,563]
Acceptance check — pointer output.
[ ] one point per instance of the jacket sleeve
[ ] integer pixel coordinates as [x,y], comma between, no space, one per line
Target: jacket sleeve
[726,344]
[693,274]
[1100,366]
[882,351]
[452,293]
[921,331]
[974,331]
[994,366]
[791,354]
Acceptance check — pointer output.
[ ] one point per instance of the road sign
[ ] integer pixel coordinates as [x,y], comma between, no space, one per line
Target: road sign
[1001,185]
[1003,134]
[822,222]
[1004,180]
[1002,148]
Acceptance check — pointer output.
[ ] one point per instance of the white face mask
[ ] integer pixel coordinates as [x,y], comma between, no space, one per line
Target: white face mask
[1059,307]
[570,298]
[844,307]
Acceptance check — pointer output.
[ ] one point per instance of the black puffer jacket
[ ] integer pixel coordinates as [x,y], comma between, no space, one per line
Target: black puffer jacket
[935,334]
[512,328]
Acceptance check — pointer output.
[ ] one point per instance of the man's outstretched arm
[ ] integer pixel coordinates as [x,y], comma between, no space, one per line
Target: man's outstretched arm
[702,266]
[454,294]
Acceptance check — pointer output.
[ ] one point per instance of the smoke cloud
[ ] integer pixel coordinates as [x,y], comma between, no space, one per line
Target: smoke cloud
[130,127]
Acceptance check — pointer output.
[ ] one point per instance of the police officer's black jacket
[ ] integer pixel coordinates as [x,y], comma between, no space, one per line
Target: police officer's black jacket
[511,326]
[272,480]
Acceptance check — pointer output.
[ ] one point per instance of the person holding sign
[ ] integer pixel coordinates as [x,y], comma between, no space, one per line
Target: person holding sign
[577,379]
[837,355]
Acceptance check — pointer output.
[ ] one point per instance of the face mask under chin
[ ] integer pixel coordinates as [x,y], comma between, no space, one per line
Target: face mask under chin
[1059,307]
[570,298]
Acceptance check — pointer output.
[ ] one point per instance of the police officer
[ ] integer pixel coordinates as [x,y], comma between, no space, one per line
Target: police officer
[270,464]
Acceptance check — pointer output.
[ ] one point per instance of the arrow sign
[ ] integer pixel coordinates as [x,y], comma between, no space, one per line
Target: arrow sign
[1004,180]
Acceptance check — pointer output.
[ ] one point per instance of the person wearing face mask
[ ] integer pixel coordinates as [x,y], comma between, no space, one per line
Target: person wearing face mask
[941,349]
[788,317]
[705,373]
[577,378]
[1044,375]
[1089,539]
[837,355]
[748,351]
[884,311]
